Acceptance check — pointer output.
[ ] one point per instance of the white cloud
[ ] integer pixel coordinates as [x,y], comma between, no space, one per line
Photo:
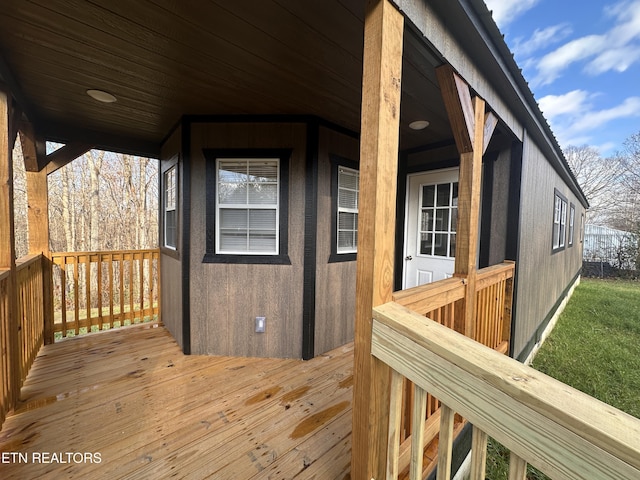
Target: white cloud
[541,39]
[551,66]
[571,103]
[615,50]
[593,120]
[574,119]
[505,11]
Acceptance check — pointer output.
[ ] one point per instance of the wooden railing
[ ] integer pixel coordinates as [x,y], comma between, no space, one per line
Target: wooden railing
[494,294]
[29,271]
[562,432]
[22,337]
[98,290]
[439,301]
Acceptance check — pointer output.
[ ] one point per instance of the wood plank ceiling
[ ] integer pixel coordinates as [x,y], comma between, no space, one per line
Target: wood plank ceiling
[164,58]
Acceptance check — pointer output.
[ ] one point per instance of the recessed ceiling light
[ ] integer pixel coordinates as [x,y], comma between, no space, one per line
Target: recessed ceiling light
[101,96]
[419,125]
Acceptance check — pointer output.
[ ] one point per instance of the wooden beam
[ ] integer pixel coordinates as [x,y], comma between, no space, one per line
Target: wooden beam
[34,149]
[472,130]
[457,100]
[490,123]
[14,89]
[381,86]
[38,221]
[65,155]
[469,188]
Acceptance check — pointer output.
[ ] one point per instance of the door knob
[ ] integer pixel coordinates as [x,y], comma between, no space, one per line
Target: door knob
[408,257]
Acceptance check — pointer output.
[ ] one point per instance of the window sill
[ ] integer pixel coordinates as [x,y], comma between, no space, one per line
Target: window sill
[247,259]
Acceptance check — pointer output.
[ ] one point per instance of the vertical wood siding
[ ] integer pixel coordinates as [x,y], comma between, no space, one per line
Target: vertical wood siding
[226,298]
[543,276]
[335,282]
[170,263]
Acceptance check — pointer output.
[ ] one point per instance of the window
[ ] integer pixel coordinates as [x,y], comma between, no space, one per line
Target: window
[347,217]
[345,200]
[559,221]
[572,221]
[438,220]
[247,206]
[170,215]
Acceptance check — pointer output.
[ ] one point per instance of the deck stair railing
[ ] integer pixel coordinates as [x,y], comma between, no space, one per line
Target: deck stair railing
[562,432]
[102,290]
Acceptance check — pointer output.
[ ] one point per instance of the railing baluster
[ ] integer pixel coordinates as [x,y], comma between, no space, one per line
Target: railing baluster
[517,467]
[417,433]
[445,442]
[87,287]
[99,292]
[110,264]
[478,454]
[76,295]
[121,278]
[395,424]
[131,288]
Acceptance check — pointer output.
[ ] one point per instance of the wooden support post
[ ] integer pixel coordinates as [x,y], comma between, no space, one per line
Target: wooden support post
[7,242]
[472,130]
[38,216]
[381,85]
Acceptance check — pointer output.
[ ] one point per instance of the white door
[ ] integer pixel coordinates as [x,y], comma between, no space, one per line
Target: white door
[430,226]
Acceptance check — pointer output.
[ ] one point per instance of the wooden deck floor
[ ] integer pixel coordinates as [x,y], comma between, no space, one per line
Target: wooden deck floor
[129,404]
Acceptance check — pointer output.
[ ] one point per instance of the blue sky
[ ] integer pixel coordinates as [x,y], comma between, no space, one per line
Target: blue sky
[582,62]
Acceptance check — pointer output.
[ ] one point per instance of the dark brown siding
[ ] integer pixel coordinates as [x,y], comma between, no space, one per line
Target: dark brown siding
[335,281]
[170,264]
[226,298]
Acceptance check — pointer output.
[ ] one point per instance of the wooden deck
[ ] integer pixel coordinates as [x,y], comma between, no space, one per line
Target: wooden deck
[128,404]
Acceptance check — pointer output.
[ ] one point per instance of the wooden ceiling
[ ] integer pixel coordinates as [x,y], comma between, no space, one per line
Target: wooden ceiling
[166,58]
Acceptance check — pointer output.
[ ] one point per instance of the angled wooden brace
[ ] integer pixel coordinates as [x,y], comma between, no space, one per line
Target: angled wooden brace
[460,108]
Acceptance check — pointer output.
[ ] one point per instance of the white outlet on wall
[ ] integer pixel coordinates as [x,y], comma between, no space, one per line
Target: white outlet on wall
[261,323]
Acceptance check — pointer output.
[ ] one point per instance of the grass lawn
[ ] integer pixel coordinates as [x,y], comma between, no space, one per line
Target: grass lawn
[595,348]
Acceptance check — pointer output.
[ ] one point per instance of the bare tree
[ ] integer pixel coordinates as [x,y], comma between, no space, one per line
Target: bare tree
[600,180]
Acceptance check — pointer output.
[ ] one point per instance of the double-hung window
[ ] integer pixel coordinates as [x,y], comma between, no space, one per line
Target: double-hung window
[347,215]
[572,222]
[170,216]
[559,221]
[345,201]
[247,206]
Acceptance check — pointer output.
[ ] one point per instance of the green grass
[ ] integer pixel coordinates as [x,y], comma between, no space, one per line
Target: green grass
[595,348]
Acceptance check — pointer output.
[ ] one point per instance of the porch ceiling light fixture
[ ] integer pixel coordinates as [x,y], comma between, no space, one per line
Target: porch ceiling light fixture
[101,96]
[419,125]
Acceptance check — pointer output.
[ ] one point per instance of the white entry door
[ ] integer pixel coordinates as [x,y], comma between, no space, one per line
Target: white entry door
[430,226]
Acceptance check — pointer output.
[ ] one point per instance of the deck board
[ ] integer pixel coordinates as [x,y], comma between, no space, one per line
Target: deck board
[152,412]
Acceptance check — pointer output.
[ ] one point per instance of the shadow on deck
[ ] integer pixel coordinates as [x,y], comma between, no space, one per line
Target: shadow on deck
[128,404]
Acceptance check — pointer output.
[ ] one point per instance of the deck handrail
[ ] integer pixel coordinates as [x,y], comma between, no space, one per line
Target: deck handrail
[17,356]
[104,289]
[563,432]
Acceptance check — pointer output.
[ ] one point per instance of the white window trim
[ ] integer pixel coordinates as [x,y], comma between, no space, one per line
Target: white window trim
[559,222]
[572,223]
[355,173]
[247,206]
[170,204]
[449,232]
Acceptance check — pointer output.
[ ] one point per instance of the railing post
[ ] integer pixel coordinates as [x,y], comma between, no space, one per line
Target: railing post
[472,130]
[381,86]
[7,247]
[38,216]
